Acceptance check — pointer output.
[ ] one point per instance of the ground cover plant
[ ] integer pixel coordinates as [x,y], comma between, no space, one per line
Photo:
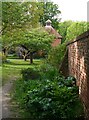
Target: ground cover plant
[44,98]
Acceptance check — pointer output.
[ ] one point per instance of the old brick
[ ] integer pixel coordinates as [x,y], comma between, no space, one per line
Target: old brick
[78,66]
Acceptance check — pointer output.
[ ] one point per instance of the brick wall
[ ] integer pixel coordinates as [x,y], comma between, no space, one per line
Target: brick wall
[78,66]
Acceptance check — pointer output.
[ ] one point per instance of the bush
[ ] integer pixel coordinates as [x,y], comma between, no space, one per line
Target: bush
[56,55]
[45,71]
[53,102]
[30,73]
[48,71]
[50,99]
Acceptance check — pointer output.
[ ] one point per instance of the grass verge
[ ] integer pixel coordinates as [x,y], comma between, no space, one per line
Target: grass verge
[11,69]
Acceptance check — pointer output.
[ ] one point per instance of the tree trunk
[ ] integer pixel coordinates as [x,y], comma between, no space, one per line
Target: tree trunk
[25,57]
[31,58]
[5,51]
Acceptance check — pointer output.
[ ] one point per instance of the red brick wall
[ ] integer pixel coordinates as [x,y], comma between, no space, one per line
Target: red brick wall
[78,66]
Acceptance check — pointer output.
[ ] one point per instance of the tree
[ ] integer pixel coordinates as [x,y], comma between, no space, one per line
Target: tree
[63,26]
[33,41]
[19,15]
[50,11]
[16,17]
[75,29]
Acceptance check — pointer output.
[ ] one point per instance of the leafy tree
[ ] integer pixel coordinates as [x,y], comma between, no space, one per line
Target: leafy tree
[19,14]
[17,17]
[33,41]
[70,30]
[63,26]
[51,12]
[75,29]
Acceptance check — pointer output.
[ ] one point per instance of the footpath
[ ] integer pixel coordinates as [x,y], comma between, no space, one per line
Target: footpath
[7,108]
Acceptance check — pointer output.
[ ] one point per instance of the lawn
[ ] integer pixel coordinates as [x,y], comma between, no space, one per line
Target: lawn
[11,69]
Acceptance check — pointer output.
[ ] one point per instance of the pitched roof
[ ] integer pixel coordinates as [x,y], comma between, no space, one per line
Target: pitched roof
[51,30]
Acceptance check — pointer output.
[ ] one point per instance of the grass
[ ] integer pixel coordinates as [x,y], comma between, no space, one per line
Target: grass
[11,69]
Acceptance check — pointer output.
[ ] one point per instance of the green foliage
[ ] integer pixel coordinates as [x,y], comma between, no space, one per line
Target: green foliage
[70,30]
[75,29]
[20,15]
[49,99]
[50,11]
[2,57]
[48,71]
[30,73]
[44,71]
[35,39]
[56,55]
[52,102]
[17,18]
[63,26]
[12,68]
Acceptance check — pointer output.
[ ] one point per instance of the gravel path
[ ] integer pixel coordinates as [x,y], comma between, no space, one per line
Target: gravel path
[6,113]
[7,106]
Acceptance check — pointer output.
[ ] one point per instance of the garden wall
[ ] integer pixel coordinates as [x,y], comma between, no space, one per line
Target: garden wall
[78,66]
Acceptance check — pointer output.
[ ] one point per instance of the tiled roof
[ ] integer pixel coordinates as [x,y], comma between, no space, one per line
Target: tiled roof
[51,30]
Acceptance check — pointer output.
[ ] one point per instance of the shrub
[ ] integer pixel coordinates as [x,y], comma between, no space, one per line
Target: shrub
[47,71]
[56,55]
[53,101]
[30,73]
[50,99]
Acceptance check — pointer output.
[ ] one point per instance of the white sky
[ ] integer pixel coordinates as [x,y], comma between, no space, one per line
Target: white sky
[75,10]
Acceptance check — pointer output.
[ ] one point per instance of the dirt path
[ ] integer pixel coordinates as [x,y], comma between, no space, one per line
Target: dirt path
[7,106]
[6,113]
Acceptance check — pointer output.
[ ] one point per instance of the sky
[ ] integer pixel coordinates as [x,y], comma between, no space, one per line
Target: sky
[75,10]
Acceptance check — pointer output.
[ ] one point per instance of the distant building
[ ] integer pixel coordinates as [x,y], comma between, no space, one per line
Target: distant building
[51,30]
